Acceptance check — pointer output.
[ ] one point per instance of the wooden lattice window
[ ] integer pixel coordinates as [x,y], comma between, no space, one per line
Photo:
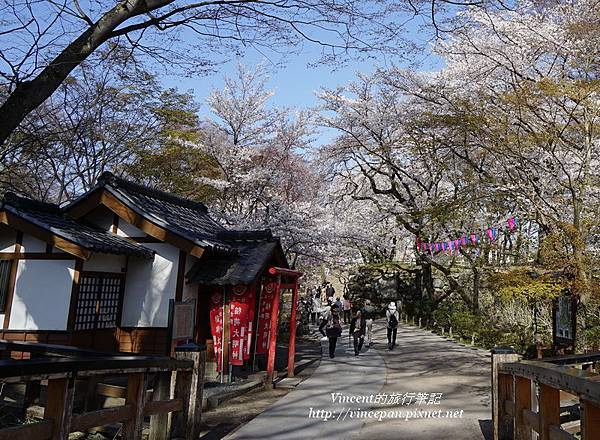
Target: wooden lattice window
[99,300]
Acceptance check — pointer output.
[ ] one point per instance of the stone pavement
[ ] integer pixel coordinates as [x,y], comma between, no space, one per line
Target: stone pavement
[421,363]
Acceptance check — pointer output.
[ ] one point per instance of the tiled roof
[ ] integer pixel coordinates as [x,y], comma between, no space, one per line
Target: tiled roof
[183,217]
[242,268]
[51,218]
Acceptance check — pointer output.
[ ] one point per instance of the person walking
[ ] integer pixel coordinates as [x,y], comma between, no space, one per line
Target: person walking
[333,328]
[329,291]
[358,327]
[393,317]
[347,309]
[316,307]
[368,312]
[338,302]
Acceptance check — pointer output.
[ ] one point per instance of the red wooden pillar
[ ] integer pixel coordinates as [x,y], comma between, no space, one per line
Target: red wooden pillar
[292,343]
[273,335]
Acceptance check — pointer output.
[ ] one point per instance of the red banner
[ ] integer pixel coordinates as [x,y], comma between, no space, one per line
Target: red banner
[241,311]
[264,316]
[241,319]
[216,323]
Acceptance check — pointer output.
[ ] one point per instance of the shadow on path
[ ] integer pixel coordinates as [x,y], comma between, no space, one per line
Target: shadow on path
[421,363]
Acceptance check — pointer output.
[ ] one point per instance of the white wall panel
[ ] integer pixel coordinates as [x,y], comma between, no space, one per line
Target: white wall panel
[42,295]
[105,263]
[149,286]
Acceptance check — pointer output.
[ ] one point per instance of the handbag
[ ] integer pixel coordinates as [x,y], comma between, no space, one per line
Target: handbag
[333,332]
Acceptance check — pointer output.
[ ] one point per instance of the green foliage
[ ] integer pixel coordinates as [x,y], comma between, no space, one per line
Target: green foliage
[172,164]
[526,285]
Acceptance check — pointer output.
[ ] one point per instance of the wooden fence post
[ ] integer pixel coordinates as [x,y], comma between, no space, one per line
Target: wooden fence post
[501,391]
[159,423]
[590,421]
[188,387]
[136,392]
[522,402]
[505,406]
[59,406]
[549,410]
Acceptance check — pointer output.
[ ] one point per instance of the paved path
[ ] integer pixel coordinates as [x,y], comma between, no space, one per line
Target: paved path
[422,362]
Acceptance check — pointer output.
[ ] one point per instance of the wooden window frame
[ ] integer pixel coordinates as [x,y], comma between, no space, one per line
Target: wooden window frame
[96,314]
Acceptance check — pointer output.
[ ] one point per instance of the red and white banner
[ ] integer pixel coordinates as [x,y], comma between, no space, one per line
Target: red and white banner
[241,302]
[241,308]
[216,323]
[267,299]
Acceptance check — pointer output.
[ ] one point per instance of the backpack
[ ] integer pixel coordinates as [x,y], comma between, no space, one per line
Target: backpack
[334,327]
[393,321]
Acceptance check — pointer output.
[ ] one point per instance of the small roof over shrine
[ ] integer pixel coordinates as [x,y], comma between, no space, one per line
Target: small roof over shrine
[255,251]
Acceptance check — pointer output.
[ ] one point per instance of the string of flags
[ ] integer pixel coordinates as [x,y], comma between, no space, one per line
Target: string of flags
[472,239]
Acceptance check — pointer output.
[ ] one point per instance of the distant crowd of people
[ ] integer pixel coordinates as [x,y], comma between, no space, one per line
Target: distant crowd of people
[329,311]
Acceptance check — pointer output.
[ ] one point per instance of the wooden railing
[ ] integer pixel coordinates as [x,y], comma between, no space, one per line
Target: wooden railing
[179,393]
[526,397]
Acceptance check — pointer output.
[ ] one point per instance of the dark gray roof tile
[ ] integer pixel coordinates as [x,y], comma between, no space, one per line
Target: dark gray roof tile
[51,218]
[184,217]
[242,268]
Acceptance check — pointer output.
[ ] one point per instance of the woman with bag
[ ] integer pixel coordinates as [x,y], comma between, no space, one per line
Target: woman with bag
[392,316]
[333,328]
[358,327]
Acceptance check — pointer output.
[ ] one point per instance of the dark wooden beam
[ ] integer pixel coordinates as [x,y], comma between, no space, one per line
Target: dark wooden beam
[12,281]
[180,275]
[74,294]
[102,417]
[35,256]
[115,224]
[41,430]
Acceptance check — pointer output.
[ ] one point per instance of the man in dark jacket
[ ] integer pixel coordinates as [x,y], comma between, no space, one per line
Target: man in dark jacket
[358,327]
[329,291]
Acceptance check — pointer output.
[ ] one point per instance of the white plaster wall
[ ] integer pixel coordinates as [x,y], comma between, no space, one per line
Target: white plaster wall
[8,237]
[126,229]
[105,263]
[149,286]
[32,244]
[103,218]
[42,295]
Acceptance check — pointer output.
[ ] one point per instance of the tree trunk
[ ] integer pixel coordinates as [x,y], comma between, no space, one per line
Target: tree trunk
[28,95]
[476,286]
[427,288]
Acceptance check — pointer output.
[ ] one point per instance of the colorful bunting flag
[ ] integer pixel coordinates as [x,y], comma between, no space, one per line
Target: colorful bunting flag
[453,246]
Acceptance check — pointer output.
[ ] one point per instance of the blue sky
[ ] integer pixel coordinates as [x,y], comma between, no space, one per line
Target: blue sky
[295,83]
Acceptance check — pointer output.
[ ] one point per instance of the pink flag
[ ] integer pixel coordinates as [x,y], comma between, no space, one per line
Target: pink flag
[512,224]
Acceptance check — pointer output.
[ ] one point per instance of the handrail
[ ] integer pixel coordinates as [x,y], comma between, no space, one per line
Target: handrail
[14,370]
[572,380]
[49,349]
[526,396]
[574,358]
[177,385]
